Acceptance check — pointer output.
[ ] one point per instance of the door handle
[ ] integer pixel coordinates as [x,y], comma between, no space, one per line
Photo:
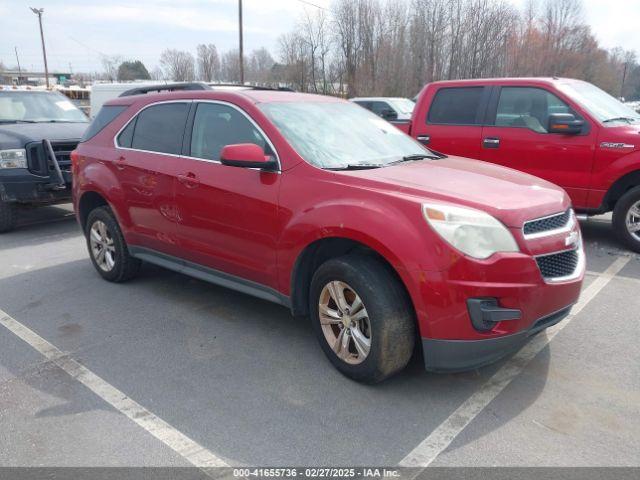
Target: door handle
[424,139]
[491,142]
[189,180]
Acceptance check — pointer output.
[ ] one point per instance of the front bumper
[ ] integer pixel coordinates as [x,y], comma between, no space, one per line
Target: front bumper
[460,355]
[21,186]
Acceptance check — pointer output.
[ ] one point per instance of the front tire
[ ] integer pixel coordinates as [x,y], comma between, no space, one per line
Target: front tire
[362,317]
[626,219]
[107,248]
[8,217]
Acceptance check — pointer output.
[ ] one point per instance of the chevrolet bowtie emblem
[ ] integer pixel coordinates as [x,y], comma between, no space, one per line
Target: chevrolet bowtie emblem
[572,239]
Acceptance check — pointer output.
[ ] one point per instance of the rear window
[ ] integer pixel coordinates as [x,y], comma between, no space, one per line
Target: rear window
[160,128]
[105,116]
[456,106]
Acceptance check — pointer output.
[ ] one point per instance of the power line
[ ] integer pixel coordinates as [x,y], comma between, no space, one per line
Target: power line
[312,5]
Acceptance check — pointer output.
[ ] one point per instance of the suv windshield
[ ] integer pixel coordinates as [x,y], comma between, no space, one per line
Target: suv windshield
[599,103]
[402,105]
[32,106]
[340,134]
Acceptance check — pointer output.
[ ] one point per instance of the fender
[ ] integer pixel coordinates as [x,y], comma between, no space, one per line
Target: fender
[613,180]
[329,219]
[98,178]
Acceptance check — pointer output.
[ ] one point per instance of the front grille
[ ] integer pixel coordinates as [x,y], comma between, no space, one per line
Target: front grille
[38,160]
[558,265]
[547,224]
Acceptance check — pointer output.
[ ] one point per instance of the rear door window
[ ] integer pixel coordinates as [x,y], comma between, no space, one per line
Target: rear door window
[456,106]
[160,128]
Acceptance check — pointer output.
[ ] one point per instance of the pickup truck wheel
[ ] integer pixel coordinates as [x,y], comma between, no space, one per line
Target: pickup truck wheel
[8,217]
[626,219]
[362,318]
[107,248]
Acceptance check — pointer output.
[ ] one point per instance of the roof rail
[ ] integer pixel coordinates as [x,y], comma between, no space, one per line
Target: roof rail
[169,87]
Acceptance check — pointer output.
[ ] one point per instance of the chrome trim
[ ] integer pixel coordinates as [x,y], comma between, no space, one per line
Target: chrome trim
[195,100]
[550,233]
[580,267]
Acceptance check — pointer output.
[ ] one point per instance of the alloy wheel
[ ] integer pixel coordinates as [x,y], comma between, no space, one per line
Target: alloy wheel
[345,322]
[103,249]
[633,221]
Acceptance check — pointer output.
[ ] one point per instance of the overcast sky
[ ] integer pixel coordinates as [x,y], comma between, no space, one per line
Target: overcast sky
[78,31]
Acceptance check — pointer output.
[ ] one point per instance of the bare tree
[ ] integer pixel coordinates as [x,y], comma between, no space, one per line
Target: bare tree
[260,65]
[208,62]
[178,65]
[110,64]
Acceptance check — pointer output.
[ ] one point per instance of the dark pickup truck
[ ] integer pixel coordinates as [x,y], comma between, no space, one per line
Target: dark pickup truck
[38,131]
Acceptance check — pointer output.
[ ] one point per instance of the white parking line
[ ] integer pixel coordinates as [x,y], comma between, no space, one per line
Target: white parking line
[428,450]
[187,448]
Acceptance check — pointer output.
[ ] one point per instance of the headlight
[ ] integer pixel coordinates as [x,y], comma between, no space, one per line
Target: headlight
[473,232]
[14,158]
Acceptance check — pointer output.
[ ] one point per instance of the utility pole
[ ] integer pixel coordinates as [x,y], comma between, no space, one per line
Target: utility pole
[624,78]
[18,60]
[39,11]
[241,46]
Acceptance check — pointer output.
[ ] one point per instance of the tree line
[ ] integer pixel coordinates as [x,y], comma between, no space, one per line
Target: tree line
[394,47]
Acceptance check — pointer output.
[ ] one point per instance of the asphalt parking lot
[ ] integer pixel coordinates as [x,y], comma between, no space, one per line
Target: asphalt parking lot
[122,375]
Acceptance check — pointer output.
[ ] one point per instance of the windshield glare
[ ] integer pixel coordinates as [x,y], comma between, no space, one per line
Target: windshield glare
[337,134]
[402,105]
[38,107]
[598,102]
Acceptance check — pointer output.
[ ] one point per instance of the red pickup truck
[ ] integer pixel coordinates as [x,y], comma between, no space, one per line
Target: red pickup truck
[566,131]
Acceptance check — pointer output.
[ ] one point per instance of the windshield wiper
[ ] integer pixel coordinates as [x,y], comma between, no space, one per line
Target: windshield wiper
[621,119]
[17,121]
[355,166]
[415,157]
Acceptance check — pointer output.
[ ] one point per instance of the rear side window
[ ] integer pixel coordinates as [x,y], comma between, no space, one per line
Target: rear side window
[160,128]
[456,106]
[126,136]
[105,116]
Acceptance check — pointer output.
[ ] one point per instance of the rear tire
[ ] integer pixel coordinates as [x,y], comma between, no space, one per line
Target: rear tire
[8,216]
[626,219]
[107,248]
[371,336]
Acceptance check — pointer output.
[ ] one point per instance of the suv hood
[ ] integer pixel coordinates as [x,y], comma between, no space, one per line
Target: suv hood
[17,135]
[509,195]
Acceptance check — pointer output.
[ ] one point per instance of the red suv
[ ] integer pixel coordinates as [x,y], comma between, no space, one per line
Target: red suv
[319,205]
[566,131]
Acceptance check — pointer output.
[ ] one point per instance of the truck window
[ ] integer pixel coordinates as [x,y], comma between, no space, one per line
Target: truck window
[456,106]
[379,107]
[216,126]
[527,107]
[160,128]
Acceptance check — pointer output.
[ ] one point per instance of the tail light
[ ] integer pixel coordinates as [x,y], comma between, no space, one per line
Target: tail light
[75,159]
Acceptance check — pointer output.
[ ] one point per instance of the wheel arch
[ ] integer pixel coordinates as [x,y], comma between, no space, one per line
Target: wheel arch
[621,186]
[318,252]
[88,202]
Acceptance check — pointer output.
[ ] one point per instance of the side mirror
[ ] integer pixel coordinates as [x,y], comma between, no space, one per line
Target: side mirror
[247,155]
[389,114]
[565,123]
